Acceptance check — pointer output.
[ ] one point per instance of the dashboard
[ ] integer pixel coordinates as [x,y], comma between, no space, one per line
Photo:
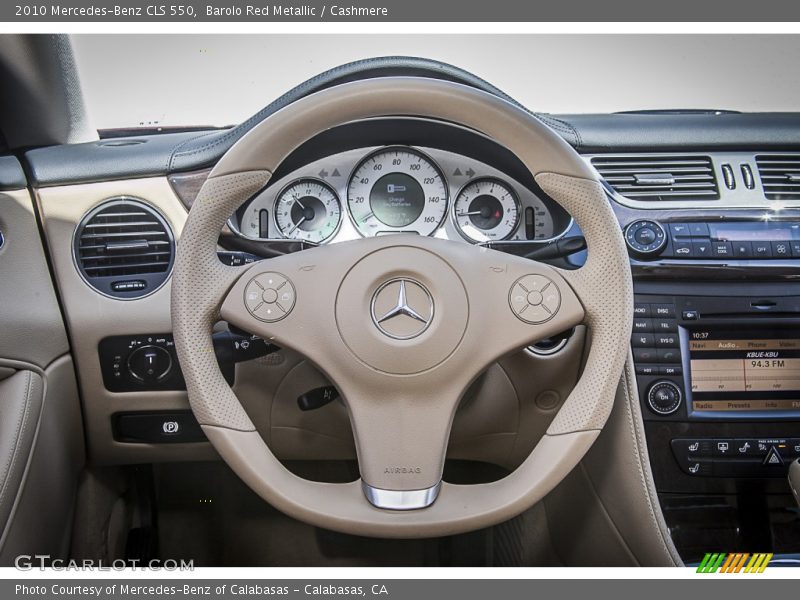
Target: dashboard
[389,189]
[713,235]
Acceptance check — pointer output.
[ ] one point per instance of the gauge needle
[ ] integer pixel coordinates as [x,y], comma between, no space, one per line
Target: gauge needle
[367,217]
[300,204]
[295,226]
[467,214]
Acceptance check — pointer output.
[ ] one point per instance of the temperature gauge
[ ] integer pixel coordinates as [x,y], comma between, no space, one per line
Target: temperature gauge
[486,209]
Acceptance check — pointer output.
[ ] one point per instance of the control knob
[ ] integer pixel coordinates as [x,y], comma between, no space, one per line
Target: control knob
[664,397]
[150,364]
[645,238]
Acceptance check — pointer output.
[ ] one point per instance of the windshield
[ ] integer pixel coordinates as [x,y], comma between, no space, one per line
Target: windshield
[132,81]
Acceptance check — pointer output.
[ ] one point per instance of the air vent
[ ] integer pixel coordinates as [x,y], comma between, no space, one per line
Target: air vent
[780,176]
[659,178]
[124,248]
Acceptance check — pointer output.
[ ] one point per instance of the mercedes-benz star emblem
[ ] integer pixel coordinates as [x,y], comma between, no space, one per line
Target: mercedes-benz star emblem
[402,308]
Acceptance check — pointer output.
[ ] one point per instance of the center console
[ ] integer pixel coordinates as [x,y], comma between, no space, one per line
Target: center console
[716,348]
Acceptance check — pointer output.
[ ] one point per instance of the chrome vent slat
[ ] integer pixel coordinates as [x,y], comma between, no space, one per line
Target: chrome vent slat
[689,186]
[694,194]
[782,184]
[648,163]
[659,178]
[120,225]
[117,215]
[124,239]
[780,176]
[123,269]
[699,177]
[120,256]
[118,234]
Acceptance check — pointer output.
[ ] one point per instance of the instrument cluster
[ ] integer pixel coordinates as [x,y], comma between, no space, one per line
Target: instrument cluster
[400,189]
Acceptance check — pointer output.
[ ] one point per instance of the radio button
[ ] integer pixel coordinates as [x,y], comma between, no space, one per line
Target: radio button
[742,249]
[642,340]
[646,369]
[698,229]
[721,249]
[642,325]
[795,249]
[690,315]
[641,310]
[781,250]
[664,311]
[762,250]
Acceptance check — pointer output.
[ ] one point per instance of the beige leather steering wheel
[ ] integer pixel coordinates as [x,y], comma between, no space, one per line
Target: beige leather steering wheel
[402,324]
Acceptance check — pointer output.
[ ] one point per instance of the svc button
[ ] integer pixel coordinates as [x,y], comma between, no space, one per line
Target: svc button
[534,298]
[269,296]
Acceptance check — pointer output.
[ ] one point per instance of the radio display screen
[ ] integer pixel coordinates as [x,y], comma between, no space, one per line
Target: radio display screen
[744,370]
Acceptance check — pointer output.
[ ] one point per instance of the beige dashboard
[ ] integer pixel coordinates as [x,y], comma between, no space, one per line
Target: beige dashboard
[500,419]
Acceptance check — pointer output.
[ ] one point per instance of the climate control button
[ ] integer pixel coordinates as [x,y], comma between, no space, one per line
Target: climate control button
[645,238]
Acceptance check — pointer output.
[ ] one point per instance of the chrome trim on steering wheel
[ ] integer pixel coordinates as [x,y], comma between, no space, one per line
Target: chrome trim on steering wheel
[401,499]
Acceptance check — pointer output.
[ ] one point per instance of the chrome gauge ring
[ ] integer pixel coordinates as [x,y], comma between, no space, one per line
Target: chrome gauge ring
[396,190]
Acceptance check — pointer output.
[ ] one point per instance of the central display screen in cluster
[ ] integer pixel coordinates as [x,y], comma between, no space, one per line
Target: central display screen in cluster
[744,370]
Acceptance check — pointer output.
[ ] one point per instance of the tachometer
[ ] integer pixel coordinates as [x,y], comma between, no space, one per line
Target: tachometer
[308,209]
[396,190]
[486,209]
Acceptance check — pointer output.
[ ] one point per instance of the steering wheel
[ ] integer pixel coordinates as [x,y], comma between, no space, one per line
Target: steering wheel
[402,324]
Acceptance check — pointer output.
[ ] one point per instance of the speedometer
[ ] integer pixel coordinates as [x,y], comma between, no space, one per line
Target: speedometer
[397,190]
